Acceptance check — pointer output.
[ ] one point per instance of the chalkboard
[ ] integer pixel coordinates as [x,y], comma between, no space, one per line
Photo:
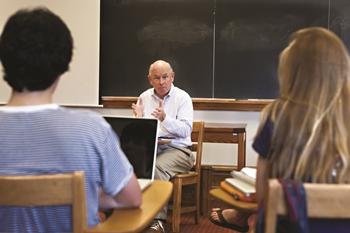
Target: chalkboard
[340,19]
[134,33]
[218,48]
[250,34]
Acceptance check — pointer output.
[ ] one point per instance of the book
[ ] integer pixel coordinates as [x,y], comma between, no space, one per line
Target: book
[241,175]
[238,195]
[241,185]
[249,171]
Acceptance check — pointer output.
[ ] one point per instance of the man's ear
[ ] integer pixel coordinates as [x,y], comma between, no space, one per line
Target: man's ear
[173,75]
[149,79]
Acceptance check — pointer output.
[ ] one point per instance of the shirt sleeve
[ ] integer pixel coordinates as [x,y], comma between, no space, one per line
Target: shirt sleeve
[262,141]
[181,126]
[116,170]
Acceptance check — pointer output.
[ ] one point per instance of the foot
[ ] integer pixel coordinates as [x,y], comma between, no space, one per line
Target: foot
[230,218]
[157,226]
[230,215]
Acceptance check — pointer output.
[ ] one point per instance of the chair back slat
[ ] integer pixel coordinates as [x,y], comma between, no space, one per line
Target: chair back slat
[47,190]
[329,201]
[197,137]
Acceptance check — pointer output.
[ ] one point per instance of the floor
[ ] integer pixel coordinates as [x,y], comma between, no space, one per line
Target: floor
[204,226]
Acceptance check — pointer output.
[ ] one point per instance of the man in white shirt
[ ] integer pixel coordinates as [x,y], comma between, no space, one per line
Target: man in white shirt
[173,108]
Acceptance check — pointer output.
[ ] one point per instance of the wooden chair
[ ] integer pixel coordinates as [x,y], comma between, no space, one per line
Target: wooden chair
[43,190]
[190,178]
[323,201]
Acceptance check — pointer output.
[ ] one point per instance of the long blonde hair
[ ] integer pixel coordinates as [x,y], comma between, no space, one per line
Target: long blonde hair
[311,117]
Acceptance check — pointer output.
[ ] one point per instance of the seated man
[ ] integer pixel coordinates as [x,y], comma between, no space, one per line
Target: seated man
[173,108]
[39,137]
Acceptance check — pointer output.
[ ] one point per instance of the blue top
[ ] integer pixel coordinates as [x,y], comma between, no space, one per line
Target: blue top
[48,139]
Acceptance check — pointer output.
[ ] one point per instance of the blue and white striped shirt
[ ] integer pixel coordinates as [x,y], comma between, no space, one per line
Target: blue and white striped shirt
[48,139]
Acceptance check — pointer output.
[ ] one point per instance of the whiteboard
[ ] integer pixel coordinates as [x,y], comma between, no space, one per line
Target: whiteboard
[79,86]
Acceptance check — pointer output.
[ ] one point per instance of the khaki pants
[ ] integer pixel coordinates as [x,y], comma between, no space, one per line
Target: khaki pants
[170,161]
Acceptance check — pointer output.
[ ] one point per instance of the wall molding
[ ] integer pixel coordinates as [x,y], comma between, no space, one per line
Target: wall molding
[255,105]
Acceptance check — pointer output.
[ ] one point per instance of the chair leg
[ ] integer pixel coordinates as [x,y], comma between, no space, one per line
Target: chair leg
[197,214]
[176,218]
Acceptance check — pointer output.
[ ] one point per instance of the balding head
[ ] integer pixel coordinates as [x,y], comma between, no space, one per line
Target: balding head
[160,64]
[161,77]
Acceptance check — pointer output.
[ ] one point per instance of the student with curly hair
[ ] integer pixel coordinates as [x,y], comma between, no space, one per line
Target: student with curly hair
[40,137]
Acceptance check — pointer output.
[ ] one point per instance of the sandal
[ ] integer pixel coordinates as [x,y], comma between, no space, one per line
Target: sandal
[223,222]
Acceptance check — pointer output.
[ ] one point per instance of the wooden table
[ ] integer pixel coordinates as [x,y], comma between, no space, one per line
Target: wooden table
[135,220]
[227,198]
[221,133]
[228,133]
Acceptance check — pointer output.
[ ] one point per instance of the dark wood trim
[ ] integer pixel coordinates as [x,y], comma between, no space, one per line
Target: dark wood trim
[118,101]
[229,104]
[198,103]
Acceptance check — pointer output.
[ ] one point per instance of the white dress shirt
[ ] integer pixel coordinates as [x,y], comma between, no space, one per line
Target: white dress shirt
[179,114]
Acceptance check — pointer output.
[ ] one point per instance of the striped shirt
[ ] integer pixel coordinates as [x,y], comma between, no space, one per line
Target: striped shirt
[47,139]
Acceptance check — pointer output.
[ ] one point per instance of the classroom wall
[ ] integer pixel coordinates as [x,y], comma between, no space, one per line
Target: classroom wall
[215,153]
[79,86]
[83,74]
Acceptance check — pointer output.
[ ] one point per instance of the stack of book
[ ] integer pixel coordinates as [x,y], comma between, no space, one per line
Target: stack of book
[241,185]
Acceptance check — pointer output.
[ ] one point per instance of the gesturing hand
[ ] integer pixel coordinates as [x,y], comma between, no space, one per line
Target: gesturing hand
[138,108]
[159,112]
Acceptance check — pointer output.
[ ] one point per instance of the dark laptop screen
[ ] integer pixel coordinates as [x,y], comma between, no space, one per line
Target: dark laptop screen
[138,139]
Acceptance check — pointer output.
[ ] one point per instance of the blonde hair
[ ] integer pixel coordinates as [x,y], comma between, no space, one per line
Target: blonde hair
[311,118]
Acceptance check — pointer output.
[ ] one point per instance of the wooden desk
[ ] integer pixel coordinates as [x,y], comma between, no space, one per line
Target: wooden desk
[228,133]
[227,198]
[221,133]
[135,220]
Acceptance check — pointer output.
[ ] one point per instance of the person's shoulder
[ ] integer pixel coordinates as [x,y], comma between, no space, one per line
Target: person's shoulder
[84,116]
[181,92]
[83,113]
[147,92]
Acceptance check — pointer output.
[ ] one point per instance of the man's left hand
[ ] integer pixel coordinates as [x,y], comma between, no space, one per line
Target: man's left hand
[159,112]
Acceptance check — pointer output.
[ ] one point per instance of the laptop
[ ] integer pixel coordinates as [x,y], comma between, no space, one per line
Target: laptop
[138,139]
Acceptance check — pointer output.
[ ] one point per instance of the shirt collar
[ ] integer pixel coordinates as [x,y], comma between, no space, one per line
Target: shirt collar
[29,108]
[169,94]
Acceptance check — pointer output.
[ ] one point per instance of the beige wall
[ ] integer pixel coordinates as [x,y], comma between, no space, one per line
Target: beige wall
[80,85]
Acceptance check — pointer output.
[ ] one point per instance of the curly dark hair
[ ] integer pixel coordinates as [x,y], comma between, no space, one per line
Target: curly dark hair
[35,49]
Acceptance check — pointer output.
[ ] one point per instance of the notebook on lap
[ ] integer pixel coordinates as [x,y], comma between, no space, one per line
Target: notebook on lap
[138,139]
